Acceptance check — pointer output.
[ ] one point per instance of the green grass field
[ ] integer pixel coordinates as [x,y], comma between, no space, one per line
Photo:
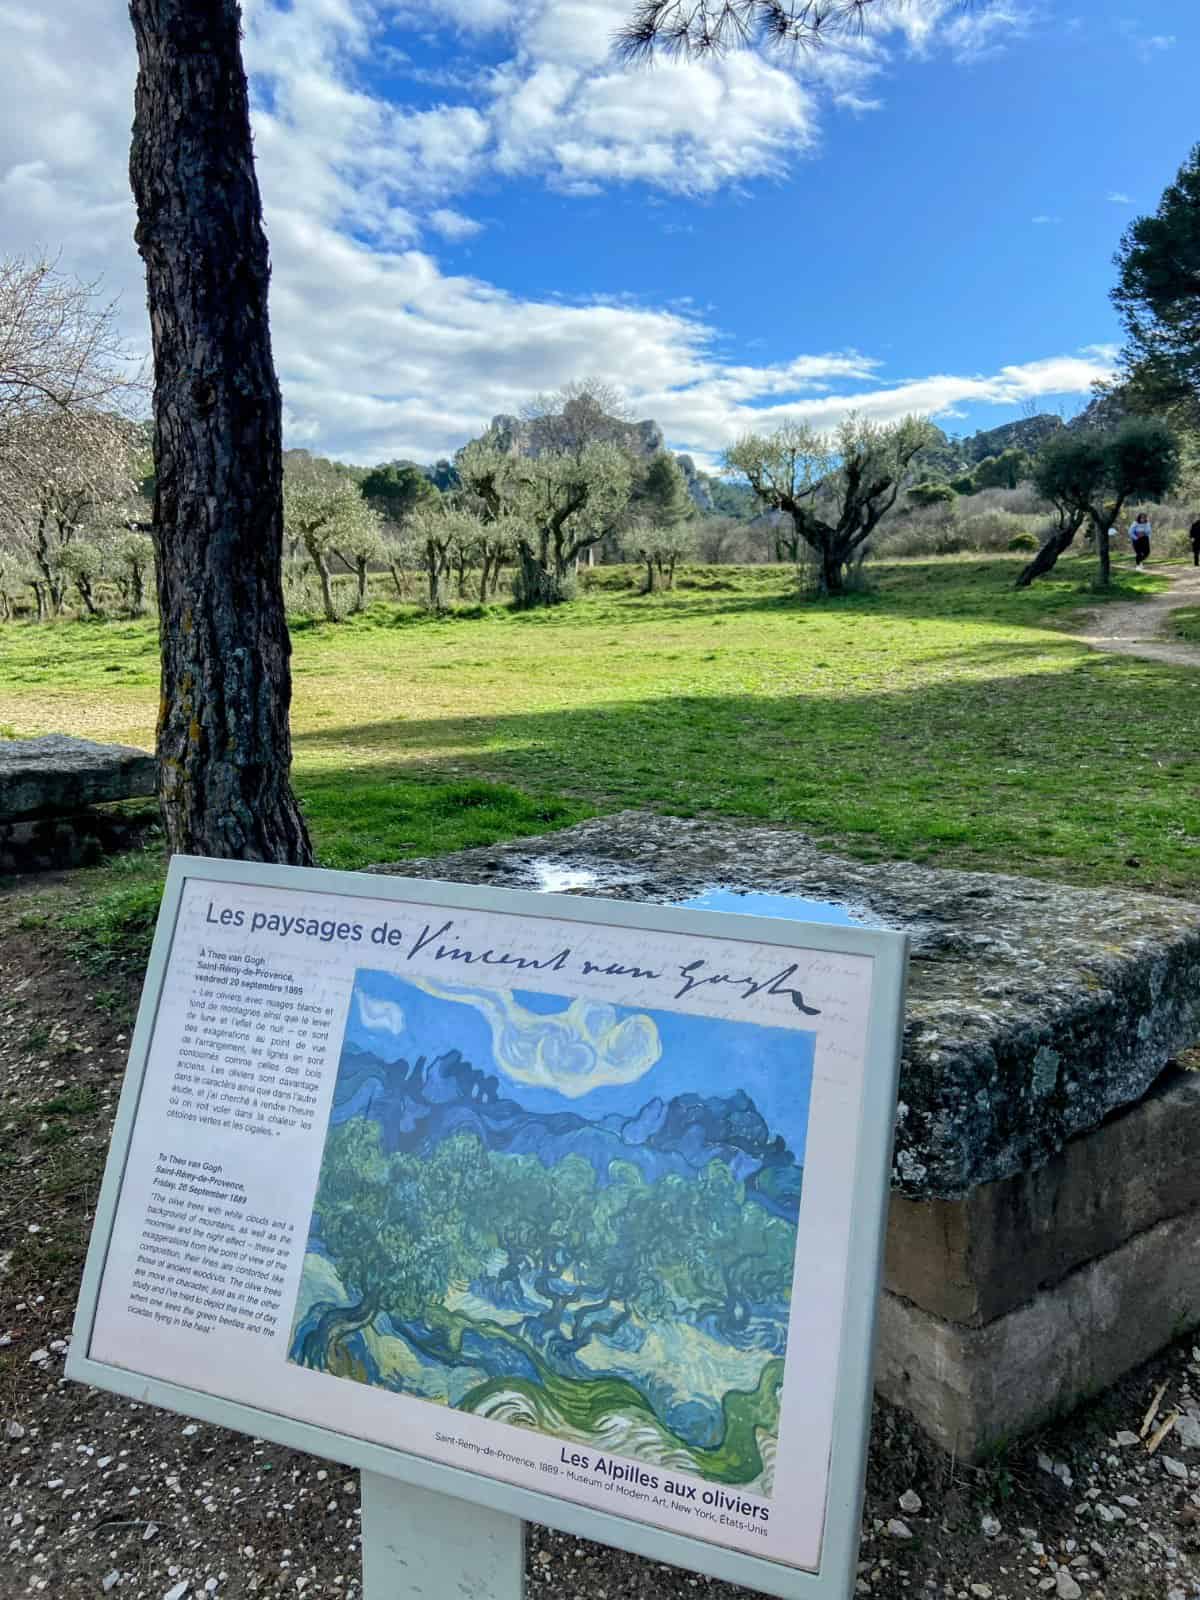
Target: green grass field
[940,716]
[1186,624]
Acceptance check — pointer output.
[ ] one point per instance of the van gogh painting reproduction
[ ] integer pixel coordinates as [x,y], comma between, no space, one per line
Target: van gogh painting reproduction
[565,1215]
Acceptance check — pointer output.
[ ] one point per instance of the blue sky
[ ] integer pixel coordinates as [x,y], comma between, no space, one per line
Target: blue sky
[699,1055]
[468,202]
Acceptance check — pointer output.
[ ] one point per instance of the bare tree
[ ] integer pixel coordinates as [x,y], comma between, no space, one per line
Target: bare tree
[224,745]
[59,346]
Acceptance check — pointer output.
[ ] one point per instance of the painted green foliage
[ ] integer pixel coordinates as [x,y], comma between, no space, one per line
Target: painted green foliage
[572,1259]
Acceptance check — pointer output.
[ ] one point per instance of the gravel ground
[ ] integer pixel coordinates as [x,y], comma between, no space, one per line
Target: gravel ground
[102,1496]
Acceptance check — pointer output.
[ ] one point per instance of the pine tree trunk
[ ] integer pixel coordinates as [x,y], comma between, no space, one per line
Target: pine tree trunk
[224,746]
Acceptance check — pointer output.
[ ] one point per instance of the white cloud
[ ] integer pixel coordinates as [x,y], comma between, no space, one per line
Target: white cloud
[968,32]
[847,100]
[1043,220]
[453,225]
[380,1016]
[1118,198]
[584,1047]
[381,351]
[1146,45]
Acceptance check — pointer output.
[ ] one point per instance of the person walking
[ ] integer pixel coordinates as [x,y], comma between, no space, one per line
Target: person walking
[1194,536]
[1139,538]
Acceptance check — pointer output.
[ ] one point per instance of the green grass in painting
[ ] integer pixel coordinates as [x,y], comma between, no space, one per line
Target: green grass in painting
[940,716]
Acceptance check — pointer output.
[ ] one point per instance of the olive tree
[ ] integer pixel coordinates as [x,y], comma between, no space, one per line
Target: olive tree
[323,510]
[436,529]
[356,548]
[1091,476]
[82,564]
[559,505]
[130,560]
[834,488]
[660,549]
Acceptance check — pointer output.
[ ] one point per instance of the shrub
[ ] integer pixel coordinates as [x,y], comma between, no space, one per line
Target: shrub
[931,494]
[991,530]
[1022,541]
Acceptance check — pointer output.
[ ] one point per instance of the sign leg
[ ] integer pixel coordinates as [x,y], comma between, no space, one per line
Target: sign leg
[418,1545]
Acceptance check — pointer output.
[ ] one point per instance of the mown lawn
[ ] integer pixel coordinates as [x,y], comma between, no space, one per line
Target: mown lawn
[940,716]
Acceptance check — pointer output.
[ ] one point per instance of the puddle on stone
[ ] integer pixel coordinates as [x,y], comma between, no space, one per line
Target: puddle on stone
[553,879]
[788,907]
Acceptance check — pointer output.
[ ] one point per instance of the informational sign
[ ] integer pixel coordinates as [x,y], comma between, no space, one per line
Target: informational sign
[569,1207]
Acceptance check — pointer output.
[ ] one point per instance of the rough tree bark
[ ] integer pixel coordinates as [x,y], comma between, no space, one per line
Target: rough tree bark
[1060,540]
[224,746]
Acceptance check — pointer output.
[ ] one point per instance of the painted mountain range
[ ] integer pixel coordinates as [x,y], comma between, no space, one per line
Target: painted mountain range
[419,1105]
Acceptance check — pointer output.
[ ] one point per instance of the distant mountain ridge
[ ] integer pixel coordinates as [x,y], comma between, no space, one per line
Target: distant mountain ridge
[418,1105]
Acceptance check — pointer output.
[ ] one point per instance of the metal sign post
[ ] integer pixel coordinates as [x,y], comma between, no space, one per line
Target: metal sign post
[422,1546]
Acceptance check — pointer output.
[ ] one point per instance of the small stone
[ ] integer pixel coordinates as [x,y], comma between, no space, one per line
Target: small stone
[983,1591]
[1047,1584]
[898,1529]
[149,1531]
[911,1502]
[14,1431]
[1174,1469]
[39,1356]
[1125,1438]
[177,1592]
[1065,1585]
[990,1525]
[190,1430]
[110,1580]
[1187,1431]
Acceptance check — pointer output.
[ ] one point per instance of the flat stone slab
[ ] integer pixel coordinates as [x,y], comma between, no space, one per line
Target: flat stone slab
[1034,1010]
[58,776]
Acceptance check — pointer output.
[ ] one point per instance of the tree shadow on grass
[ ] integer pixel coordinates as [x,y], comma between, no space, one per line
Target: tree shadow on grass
[1076,772]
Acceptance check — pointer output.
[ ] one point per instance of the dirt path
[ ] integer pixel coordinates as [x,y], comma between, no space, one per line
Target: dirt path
[1137,628]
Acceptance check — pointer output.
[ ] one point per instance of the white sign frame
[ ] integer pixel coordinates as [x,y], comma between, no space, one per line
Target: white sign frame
[835,1577]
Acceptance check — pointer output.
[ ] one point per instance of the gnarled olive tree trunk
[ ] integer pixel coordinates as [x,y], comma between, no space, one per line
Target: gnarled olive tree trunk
[224,746]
